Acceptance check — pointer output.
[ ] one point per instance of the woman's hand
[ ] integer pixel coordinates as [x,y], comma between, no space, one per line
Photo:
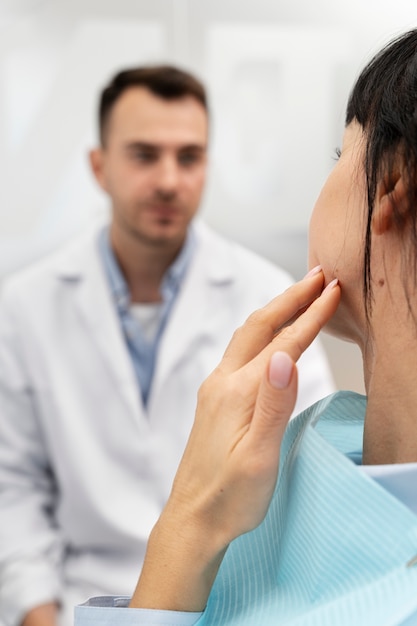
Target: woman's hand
[228,472]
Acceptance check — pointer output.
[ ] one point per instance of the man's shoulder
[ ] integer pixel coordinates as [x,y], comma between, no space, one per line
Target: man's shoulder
[240,258]
[67,259]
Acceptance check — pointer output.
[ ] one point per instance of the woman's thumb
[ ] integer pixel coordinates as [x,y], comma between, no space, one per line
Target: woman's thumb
[276,396]
[281,370]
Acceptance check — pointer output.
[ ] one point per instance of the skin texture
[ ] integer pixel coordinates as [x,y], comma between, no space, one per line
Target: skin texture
[336,234]
[153,168]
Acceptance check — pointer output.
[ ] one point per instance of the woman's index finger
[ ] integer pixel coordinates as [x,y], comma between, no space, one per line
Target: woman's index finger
[262,325]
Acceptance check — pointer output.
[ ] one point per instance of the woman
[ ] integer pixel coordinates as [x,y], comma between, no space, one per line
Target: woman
[328,542]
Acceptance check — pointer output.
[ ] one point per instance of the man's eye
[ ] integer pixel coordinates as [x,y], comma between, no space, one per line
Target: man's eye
[188,158]
[144,156]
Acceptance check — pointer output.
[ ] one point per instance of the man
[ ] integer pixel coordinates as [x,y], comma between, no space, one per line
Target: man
[102,349]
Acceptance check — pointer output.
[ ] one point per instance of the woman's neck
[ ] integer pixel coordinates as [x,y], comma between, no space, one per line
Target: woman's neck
[390,434]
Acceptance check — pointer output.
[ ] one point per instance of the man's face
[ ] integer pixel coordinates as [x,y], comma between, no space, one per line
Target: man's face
[153,165]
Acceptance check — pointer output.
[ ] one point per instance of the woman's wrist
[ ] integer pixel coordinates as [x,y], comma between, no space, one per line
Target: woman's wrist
[181,563]
[43,615]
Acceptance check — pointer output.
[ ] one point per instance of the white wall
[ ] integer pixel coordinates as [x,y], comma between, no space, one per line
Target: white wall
[278,74]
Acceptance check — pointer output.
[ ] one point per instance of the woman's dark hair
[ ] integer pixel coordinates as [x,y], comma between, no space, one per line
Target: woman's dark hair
[384,102]
[165,81]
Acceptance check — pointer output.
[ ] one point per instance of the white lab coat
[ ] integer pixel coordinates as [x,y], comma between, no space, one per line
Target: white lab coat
[84,468]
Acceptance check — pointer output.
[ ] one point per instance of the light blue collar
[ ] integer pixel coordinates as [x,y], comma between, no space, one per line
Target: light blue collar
[171,280]
[334,547]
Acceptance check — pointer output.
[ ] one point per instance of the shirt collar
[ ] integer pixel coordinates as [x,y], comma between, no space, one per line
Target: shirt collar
[171,280]
[177,270]
[117,283]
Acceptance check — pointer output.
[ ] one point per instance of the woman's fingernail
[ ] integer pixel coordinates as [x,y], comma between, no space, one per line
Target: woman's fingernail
[331,285]
[280,370]
[313,272]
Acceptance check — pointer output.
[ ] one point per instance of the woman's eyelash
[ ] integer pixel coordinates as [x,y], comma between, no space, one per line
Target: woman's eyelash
[337,154]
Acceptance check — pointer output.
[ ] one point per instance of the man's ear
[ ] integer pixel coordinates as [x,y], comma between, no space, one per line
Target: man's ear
[391,200]
[96,158]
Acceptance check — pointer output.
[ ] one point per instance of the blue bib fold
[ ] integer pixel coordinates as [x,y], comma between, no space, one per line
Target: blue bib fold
[334,546]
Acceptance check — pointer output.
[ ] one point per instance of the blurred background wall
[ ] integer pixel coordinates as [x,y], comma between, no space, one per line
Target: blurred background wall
[278,74]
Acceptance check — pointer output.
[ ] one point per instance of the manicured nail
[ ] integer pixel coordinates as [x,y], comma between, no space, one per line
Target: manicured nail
[313,272]
[280,370]
[330,286]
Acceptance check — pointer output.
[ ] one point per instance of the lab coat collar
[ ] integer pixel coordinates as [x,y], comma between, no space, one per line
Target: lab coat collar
[215,250]
[80,270]
[74,261]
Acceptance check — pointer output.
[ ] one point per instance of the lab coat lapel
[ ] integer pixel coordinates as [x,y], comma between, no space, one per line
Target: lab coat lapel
[81,271]
[334,546]
[200,309]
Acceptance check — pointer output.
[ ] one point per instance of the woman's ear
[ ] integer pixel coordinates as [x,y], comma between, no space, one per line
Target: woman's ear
[391,200]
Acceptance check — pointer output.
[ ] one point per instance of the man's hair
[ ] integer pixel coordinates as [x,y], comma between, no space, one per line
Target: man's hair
[165,81]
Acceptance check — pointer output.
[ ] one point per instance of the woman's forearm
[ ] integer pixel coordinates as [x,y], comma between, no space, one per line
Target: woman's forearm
[180,566]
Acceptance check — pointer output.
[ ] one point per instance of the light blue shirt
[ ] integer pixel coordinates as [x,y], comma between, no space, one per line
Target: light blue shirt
[335,549]
[142,351]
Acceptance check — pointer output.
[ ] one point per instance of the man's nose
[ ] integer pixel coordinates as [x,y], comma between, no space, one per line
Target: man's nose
[168,175]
